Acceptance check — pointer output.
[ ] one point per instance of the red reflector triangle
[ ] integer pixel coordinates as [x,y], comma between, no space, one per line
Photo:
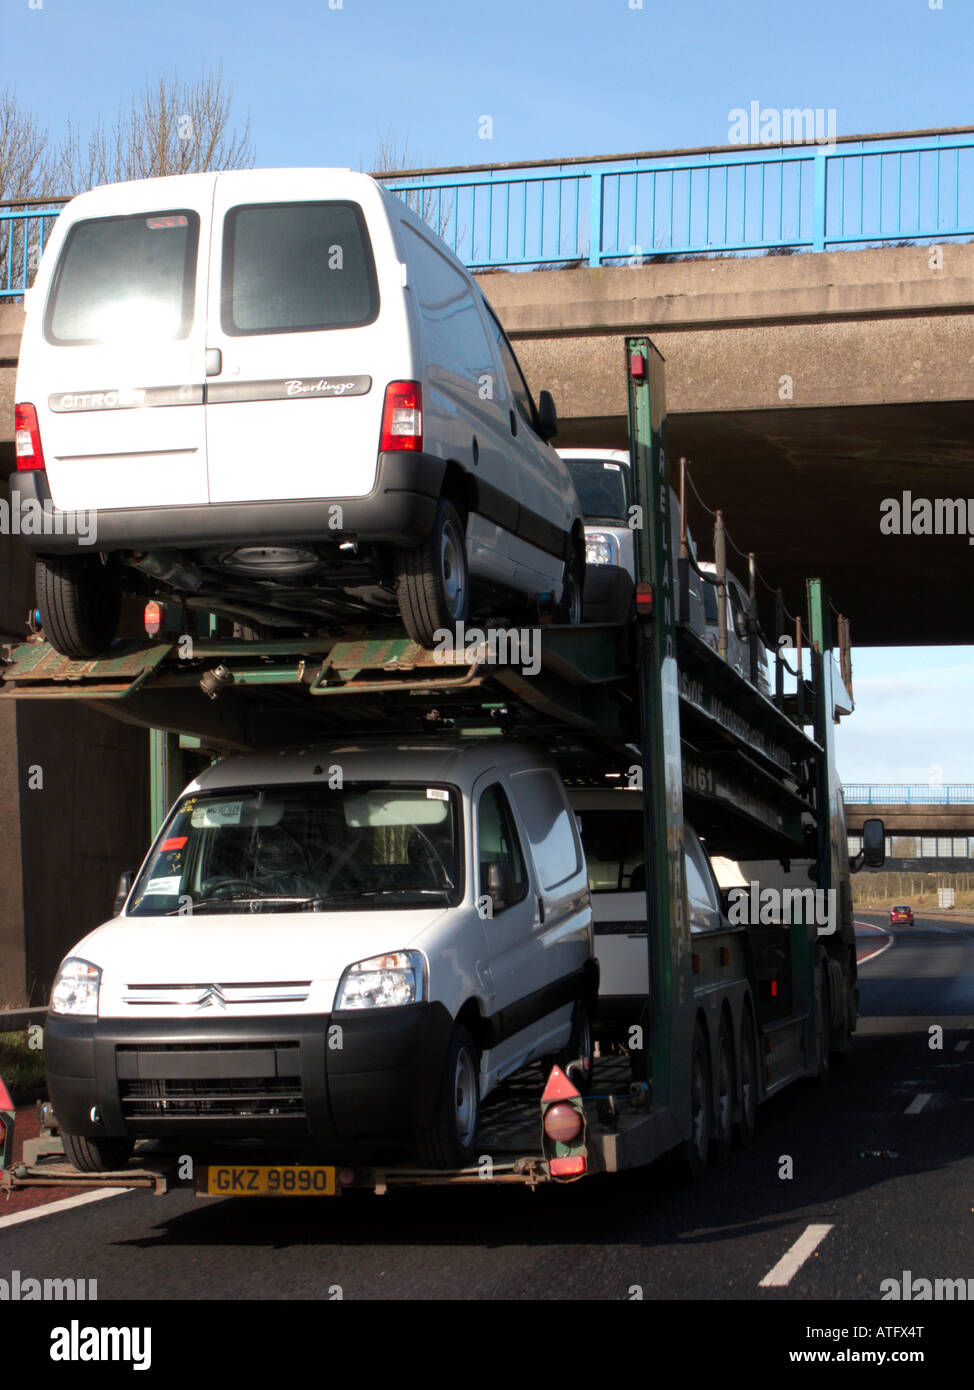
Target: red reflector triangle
[5,1102]
[559,1087]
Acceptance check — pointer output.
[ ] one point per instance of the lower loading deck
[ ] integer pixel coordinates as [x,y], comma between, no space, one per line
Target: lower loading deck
[622,1130]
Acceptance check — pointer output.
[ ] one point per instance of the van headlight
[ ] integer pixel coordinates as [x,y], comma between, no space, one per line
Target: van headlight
[76,987]
[601,548]
[382,981]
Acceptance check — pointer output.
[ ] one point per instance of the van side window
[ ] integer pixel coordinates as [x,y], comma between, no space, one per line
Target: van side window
[516,384]
[498,839]
[455,334]
[550,825]
[296,267]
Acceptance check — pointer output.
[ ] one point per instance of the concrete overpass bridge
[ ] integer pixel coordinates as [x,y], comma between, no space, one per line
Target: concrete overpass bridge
[939,816]
[816,364]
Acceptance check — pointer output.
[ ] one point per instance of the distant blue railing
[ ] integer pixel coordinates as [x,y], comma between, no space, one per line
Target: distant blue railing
[734,199]
[908,794]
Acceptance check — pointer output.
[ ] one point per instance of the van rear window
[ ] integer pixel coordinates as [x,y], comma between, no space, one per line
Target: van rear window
[125,278]
[297,268]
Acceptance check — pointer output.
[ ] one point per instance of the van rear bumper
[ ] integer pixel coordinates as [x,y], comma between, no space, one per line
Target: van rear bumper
[398,511]
[372,1082]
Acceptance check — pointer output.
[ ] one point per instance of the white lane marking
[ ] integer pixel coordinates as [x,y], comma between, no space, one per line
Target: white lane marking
[861,960]
[62,1205]
[793,1259]
[917,1103]
[959,1047]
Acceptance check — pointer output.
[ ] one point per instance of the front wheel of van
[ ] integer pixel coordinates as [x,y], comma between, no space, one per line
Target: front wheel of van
[79,598]
[96,1155]
[432,586]
[450,1140]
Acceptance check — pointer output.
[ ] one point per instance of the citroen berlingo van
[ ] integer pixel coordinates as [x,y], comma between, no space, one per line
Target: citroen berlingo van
[277,395]
[343,948]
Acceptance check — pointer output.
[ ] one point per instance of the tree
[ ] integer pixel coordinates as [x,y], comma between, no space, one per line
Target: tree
[394,155]
[171,127]
[26,160]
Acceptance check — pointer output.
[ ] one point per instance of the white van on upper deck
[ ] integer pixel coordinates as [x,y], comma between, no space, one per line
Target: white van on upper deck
[285,399]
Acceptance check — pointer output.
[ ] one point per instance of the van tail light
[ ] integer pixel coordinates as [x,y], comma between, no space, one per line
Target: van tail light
[27,438]
[402,417]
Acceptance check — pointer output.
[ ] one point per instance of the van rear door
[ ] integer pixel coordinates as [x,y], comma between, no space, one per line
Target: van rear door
[115,369]
[299,360]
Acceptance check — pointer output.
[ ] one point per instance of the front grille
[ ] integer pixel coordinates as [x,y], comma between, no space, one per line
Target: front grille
[209,1079]
[234,1097]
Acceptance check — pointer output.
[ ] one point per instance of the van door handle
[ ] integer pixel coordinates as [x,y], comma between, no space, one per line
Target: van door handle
[513,423]
[541,910]
[214,361]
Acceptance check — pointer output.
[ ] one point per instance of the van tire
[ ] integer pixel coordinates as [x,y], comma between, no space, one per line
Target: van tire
[580,1045]
[96,1155]
[79,598]
[450,1140]
[432,584]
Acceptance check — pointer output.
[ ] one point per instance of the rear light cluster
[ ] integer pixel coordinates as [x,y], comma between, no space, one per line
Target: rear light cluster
[402,417]
[27,437]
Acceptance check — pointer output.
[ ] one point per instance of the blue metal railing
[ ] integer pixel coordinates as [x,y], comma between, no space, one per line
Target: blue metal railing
[734,199]
[909,794]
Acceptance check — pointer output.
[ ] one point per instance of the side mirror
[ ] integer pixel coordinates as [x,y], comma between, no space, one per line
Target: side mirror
[125,882]
[873,852]
[500,884]
[547,416]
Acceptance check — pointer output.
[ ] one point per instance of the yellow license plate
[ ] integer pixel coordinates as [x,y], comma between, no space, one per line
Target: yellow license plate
[284,1180]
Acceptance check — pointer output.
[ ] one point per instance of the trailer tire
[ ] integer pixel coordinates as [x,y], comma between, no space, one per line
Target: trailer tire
[747,1114]
[450,1139]
[695,1151]
[726,1096]
[432,584]
[96,1155]
[79,598]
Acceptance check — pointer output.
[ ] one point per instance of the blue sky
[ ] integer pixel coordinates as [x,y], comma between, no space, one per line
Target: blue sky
[323,82]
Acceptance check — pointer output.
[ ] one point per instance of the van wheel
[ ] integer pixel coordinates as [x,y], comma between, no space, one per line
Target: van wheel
[569,609]
[79,600]
[451,1139]
[580,1046]
[96,1155]
[432,587]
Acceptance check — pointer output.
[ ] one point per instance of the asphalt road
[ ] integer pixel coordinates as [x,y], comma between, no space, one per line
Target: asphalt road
[890,1173]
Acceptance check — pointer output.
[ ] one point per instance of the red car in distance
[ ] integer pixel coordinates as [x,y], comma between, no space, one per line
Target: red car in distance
[903,913]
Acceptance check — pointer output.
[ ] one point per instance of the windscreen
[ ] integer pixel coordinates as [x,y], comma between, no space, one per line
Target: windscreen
[306,848]
[125,278]
[602,487]
[297,267]
[614,850]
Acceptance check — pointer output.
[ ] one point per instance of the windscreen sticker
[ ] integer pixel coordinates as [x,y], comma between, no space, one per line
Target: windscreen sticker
[437,794]
[165,887]
[224,813]
[176,842]
[615,467]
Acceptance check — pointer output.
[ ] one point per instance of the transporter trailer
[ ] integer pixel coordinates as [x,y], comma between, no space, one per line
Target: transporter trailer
[731,1016]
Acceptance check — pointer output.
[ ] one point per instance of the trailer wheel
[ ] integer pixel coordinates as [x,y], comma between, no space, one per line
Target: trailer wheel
[823,1023]
[569,609]
[432,587]
[80,599]
[450,1139]
[96,1155]
[723,1135]
[695,1150]
[747,1118]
